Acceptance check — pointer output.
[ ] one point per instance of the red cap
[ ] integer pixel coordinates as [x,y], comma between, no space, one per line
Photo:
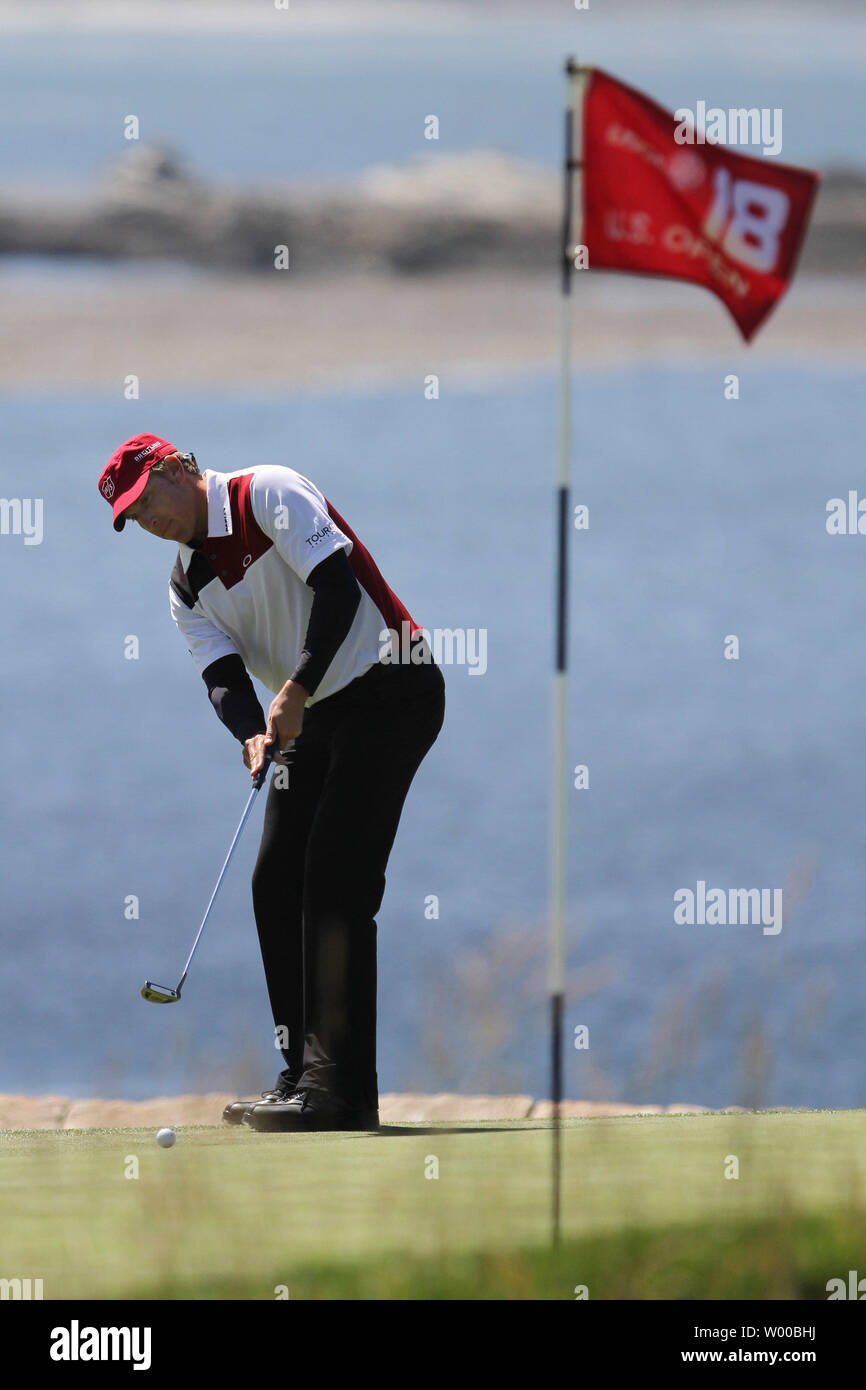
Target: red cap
[125,476]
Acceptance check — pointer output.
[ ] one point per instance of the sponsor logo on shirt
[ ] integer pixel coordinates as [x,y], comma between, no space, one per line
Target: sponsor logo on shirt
[318,536]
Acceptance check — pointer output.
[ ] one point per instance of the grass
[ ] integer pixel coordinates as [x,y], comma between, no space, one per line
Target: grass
[647,1210]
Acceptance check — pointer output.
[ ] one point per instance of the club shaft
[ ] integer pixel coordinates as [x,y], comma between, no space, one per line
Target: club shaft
[243,821]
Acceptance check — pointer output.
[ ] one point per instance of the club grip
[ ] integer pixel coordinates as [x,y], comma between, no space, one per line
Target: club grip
[271,749]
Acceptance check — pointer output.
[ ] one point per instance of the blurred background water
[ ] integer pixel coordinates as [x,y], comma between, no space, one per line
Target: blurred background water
[281,103]
[707,519]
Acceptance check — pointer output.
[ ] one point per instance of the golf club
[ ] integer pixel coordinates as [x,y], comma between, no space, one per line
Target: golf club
[162,994]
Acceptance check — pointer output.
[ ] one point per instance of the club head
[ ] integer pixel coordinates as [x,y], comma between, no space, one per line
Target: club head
[159,994]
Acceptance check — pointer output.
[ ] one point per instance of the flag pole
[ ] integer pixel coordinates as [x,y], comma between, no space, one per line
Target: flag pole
[560,677]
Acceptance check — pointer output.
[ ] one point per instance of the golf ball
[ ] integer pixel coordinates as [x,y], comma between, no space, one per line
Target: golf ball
[165,1138]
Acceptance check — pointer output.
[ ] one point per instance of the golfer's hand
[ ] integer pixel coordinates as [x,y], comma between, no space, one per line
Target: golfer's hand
[254,753]
[286,714]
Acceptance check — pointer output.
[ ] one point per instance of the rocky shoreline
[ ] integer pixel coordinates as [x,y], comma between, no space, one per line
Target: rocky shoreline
[59,1112]
[438,213]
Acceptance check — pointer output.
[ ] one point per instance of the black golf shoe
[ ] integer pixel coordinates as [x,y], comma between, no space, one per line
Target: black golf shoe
[235,1111]
[307,1111]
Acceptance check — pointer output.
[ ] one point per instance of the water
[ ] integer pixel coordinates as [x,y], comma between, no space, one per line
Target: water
[283,103]
[707,519]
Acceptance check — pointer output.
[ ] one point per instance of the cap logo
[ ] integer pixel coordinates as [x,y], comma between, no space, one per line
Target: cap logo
[108,488]
[148,449]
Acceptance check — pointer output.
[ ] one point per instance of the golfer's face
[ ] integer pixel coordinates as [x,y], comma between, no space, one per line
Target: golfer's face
[166,509]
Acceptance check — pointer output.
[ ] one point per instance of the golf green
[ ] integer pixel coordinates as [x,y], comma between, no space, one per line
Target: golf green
[652,1206]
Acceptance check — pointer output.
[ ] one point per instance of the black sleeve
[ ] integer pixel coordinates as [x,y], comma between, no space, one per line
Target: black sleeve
[232,695]
[335,603]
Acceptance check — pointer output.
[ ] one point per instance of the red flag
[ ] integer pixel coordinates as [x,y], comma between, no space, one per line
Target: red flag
[693,212]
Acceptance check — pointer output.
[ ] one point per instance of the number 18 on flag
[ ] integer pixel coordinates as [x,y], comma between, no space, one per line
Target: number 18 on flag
[651,205]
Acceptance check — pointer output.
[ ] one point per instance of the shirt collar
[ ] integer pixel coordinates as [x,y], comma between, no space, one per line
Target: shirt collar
[219,512]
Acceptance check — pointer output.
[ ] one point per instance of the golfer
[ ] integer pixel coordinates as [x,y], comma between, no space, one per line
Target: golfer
[270,580]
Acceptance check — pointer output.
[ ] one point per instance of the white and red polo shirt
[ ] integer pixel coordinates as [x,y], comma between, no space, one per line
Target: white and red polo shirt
[244,591]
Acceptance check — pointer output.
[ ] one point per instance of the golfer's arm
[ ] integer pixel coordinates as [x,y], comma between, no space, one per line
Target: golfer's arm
[232,695]
[336,596]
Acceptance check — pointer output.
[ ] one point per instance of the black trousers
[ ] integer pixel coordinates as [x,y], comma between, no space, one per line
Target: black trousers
[320,874]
